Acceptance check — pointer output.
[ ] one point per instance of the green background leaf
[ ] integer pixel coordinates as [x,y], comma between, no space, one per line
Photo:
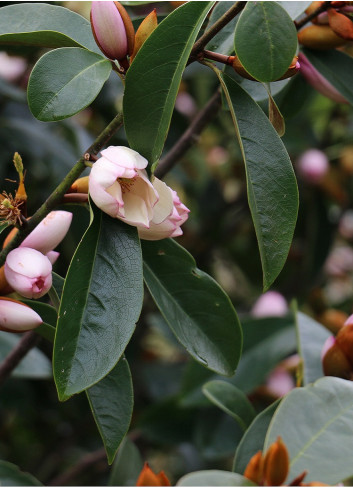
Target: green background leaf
[254,438]
[271,183]
[223,41]
[111,401]
[265,40]
[336,67]
[11,476]
[35,365]
[55,93]
[213,478]
[101,302]
[198,311]
[315,422]
[127,465]
[153,79]
[40,24]
[311,339]
[231,400]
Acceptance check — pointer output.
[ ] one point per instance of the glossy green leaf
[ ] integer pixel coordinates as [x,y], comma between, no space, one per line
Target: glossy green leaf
[311,339]
[336,67]
[271,183]
[223,41]
[35,365]
[254,438]
[55,93]
[196,308]
[100,305]
[40,24]
[265,40]
[3,226]
[231,400]
[12,476]
[111,401]
[127,465]
[58,283]
[213,478]
[153,79]
[315,422]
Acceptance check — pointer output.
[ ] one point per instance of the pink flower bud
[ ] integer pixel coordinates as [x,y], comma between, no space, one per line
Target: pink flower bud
[313,165]
[168,215]
[318,81]
[270,304]
[112,29]
[28,272]
[17,317]
[52,256]
[11,67]
[119,185]
[49,232]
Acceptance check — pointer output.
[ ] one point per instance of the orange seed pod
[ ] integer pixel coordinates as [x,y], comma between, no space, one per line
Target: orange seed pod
[276,463]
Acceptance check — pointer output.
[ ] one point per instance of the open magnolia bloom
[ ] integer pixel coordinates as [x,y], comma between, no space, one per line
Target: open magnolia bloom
[119,185]
[168,215]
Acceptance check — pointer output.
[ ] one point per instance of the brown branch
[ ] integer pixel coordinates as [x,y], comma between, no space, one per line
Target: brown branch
[26,343]
[81,466]
[325,6]
[190,135]
[217,26]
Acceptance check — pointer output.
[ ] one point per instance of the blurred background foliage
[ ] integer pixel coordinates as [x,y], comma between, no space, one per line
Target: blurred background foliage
[174,426]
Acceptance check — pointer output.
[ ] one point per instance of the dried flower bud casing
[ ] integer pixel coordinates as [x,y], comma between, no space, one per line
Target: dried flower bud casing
[255,469]
[276,463]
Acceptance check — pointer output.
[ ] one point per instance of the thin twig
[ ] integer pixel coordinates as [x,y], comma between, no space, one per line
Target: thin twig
[26,343]
[56,197]
[325,6]
[217,26]
[81,466]
[190,135]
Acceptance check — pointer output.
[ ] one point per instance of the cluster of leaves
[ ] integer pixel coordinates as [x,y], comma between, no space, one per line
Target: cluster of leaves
[102,294]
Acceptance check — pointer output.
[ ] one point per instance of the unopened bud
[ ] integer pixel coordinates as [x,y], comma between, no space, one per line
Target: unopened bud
[28,272]
[276,463]
[145,29]
[112,29]
[17,317]
[340,24]
[255,468]
[80,186]
[319,37]
[344,339]
[292,70]
[334,361]
[149,478]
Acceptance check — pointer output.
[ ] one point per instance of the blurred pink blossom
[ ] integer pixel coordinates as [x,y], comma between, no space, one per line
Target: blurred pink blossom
[11,67]
[313,165]
[270,304]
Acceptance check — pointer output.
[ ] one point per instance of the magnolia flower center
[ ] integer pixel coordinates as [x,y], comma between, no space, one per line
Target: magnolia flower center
[38,285]
[126,183]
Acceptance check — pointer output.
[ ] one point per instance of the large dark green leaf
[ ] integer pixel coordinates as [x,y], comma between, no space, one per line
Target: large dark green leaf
[35,365]
[55,93]
[315,422]
[11,476]
[265,40]
[194,305]
[311,338]
[254,438]
[336,67]
[40,24]
[271,183]
[153,79]
[231,400]
[111,401]
[100,305]
[213,478]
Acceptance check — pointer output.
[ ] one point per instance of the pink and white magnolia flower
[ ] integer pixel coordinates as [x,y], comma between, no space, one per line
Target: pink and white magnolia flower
[17,317]
[119,185]
[28,272]
[168,215]
[318,81]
